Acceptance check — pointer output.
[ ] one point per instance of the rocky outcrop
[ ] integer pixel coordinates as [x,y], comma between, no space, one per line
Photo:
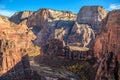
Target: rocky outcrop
[41,17]
[53,48]
[109,38]
[108,68]
[81,35]
[4,19]
[108,41]
[14,42]
[57,48]
[87,25]
[92,15]
[20,16]
[38,18]
[62,30]
[56,30]
[50,24]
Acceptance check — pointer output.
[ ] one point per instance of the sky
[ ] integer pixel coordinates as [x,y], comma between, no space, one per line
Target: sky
[9,7]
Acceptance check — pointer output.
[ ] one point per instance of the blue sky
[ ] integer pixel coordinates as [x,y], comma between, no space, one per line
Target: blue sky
[9,7]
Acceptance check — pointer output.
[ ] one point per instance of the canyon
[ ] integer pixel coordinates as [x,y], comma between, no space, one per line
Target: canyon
[91,35]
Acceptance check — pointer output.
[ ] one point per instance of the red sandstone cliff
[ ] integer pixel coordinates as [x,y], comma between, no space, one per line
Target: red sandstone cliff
[108,41]
[14,42]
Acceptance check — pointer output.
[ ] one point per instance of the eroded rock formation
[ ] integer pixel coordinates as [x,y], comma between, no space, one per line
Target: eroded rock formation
[14,42]
[92,15]
[108,68]
[49,24]
[81,35]
[37,19]
[109,39]
[20,16]
[53,48]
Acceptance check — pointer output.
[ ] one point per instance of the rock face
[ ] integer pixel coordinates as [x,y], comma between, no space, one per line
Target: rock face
[3,19]
[43,16]
[108,68]
[38,19]
[14,42]
[78,30]
[50,24]
[87,26]
[81,35]
[53,48]
[49,15]
[109,39]
[92,15]
[20,16]
[10,59]
[57,30]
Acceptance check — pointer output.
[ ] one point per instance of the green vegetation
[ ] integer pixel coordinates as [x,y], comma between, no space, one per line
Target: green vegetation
[83,70]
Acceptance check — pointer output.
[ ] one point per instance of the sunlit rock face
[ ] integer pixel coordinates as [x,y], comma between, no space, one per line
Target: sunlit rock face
[38,19]
[43,16]
[87,26]
[14,42]
[50,15]
[51,24]
[65,25]
[92,15]
[81,35]
[20,16]
[4,19]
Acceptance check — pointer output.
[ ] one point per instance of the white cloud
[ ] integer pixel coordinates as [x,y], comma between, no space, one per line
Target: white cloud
[114,6]
[6,12]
